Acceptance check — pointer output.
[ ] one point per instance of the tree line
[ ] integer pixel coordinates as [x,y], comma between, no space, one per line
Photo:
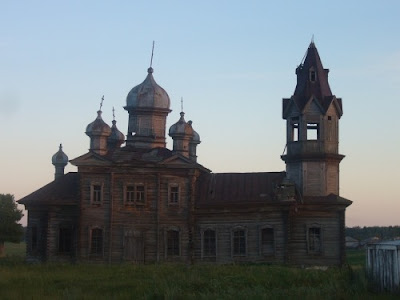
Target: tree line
[383,233]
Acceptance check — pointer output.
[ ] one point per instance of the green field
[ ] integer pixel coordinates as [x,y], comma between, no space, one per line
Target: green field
[177,281]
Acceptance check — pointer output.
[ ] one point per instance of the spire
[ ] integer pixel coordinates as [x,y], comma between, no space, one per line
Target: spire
[59,160]
[312,79]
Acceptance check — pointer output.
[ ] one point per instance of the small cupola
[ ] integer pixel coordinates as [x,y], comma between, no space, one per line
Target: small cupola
[116,139]
[59,160]
[193,144]
[98,131]
[181,133]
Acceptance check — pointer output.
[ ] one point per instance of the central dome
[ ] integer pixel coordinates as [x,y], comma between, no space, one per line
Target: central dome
[148,94]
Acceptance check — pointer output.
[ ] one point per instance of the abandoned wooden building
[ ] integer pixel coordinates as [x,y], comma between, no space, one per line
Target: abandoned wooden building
[142,202]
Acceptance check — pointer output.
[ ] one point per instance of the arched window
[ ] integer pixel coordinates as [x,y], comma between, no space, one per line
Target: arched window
[239,241]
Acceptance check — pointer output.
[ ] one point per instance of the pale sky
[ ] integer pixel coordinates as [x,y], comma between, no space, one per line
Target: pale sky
[231,61]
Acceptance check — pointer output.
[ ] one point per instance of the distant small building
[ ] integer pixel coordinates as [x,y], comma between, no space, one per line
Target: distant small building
[371,240]
[352,243]
[383,265]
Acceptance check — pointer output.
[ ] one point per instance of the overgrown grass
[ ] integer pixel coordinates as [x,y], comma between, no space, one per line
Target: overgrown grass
[177,281]
[15,249]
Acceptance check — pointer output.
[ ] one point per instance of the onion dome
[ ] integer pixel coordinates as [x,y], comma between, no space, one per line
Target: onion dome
[148,94]
[196,136]
[98,127]
[181,128]
[98,131]
[60,158]
[117,138]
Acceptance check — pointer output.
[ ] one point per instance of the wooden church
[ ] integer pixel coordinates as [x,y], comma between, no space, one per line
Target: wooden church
[144,203]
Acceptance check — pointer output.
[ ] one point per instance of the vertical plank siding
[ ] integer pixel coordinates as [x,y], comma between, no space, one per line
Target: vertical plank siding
[383,265]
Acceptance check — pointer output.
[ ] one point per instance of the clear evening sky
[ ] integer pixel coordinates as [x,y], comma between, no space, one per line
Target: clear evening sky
[231,61]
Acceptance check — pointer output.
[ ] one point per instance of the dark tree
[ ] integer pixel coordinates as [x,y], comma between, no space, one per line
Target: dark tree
[10,230]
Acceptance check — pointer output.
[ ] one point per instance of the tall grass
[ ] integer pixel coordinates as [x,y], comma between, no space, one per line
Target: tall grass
[177,281]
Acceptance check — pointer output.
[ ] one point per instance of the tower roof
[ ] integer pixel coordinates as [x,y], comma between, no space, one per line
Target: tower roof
[148,95]
[312,80]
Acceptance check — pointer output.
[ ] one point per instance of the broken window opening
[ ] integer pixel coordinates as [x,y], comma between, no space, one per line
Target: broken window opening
[267,241]
[239,242]
[312,131]
[96,246]
[172,243]
[313,75]
[314,240]
[209,243]
[65,240]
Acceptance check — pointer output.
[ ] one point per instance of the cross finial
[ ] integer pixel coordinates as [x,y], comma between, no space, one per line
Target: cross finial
[101,103]
[312,39]
[113,113]
[152,52]
[181,104]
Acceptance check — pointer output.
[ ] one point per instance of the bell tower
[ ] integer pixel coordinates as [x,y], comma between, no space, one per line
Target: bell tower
[312,117]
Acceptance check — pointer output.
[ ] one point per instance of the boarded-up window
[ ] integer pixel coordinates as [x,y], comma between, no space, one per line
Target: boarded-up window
[267,241]
[65,240]
[96,246]
[314,240]
[239,242]
[172,243]
[209,243]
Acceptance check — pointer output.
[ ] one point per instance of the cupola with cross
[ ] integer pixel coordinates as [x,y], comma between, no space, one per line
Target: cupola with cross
[98,131]
[59,160]
[312,119]
[148,106]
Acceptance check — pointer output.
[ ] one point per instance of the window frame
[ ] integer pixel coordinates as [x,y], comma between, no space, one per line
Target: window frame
[233,242]
[133,199]
[261,244]
[166,242]
[94,195]
[295,129]
[312,75]
[203,243]
[60,239]
[313,127]
[98,252]
[311,249]
[177,194]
